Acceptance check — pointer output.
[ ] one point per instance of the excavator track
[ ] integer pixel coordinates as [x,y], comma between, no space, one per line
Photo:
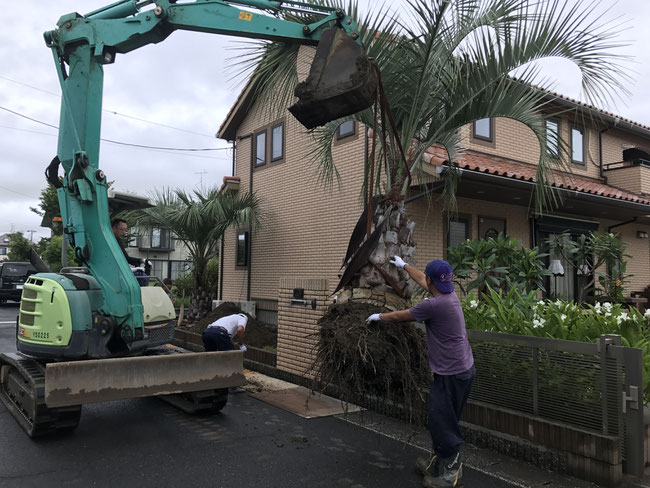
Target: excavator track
[22,391]
[198,402]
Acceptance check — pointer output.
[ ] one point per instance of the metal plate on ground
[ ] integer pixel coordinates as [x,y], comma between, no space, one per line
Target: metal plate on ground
[301,401]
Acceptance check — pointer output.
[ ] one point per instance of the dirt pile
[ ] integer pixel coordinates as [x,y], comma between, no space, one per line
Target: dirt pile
[257,334]
[384,361]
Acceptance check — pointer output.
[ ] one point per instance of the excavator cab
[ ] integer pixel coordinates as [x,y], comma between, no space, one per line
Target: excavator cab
[342,81]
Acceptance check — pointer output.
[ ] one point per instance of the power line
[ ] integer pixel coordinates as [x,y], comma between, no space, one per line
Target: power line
[113,112]
[119,142]
[17,192]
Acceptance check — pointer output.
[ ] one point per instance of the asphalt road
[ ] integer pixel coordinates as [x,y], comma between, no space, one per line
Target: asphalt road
[146,442]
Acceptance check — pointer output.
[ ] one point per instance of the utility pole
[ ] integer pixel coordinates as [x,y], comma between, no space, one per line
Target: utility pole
[204,172]
[31,235]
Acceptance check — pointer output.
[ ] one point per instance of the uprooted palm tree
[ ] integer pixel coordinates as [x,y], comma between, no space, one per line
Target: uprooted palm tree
[451,63]
[198,220]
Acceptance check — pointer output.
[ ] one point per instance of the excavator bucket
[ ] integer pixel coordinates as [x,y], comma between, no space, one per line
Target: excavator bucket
[341,81]
[91,381]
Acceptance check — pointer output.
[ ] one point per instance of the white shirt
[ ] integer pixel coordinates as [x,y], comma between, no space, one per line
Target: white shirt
[231,323]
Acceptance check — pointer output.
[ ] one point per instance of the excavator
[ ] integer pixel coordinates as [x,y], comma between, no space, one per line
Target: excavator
[97,335]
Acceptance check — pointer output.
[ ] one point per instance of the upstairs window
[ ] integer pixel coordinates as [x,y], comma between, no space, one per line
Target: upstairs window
[133,237]
[483,129]
[160,238]
[277,142]
[346,129]
[577,145]
[3,251]
[552,138]
[260,149]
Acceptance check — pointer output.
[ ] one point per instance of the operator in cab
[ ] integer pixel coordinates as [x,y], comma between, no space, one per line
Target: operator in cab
[120,229]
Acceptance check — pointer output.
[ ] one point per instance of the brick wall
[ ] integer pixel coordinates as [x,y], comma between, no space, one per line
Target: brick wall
[297,324]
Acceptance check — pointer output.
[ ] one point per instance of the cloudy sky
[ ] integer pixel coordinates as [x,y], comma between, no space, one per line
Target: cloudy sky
[171,95]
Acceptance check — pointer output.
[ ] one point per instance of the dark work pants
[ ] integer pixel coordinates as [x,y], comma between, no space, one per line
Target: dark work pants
[216,339]
[447,398]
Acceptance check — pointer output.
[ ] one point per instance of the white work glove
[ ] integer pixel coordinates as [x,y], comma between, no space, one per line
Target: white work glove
[242,348]
[373,318]
[397,261]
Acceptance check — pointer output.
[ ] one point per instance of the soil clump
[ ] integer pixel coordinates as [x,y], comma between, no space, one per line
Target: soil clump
[384,362]
[258,334]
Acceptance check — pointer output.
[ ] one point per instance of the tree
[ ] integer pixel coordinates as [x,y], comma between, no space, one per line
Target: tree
[451,64]
[52,254]
[198,220]
[49,208]
[19,247]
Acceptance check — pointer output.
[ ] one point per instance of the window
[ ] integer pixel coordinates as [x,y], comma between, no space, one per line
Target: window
[3,251]
[346,129]
[458,231]
[483,129]
[578,145]
[133,237]
[158,269]
[160,238]
[277,142]
[552,138]
[490,227]
[242,248]
[5,239]
[179,268]
[260,149]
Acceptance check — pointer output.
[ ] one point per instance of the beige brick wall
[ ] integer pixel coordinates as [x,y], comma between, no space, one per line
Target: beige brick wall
[297,324]
[632,178]
[638,264]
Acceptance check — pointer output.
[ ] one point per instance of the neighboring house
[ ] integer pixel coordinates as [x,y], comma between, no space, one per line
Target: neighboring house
[169,256]
[4,246]
[306,229]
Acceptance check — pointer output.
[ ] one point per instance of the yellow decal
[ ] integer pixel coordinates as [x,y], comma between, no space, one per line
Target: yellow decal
[247,16]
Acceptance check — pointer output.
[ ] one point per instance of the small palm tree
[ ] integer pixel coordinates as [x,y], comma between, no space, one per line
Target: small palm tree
[198,219]
[452,63]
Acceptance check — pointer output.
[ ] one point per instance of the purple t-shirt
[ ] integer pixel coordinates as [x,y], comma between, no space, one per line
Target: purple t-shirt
[449,349]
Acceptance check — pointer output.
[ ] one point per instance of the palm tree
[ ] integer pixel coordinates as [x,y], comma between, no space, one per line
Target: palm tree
[198,220]
[452,63]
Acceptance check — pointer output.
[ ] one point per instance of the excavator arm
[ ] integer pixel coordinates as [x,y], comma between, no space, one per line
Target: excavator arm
[83,44]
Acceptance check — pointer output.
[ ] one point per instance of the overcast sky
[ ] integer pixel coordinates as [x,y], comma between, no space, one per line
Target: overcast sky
[171,95]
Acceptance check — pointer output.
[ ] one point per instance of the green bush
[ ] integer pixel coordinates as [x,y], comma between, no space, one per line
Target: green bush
[513,312]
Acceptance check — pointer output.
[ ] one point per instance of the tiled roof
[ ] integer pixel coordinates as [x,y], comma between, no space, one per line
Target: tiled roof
[499,166]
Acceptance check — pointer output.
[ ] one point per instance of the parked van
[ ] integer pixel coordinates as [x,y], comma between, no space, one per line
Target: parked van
[12,278]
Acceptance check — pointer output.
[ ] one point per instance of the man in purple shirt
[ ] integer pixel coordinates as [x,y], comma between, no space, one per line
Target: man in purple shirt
[451,362]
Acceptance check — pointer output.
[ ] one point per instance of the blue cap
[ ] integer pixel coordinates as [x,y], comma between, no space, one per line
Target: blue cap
[440,272]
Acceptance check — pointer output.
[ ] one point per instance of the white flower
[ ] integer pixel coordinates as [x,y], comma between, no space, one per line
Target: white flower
[540,303]
[597,308]
[647,313]
[538,322]
[473,303]
[558,303]
[608,306]
[608,314]
[563,317]
[621,318]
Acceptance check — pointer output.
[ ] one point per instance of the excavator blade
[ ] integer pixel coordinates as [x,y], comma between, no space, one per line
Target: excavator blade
[341,81]
[91,381]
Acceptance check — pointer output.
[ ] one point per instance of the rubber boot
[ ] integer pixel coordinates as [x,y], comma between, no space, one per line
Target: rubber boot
[429,466]
[451,474]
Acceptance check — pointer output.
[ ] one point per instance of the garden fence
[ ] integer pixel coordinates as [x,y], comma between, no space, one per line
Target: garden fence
[596,387]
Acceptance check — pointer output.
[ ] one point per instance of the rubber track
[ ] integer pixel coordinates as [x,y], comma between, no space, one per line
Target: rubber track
[29,409]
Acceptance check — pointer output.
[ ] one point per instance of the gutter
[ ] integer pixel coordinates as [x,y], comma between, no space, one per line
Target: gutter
[514,183]
[609,229]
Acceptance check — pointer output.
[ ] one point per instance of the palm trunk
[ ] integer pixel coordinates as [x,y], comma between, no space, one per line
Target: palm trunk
[396,240]
[200,304]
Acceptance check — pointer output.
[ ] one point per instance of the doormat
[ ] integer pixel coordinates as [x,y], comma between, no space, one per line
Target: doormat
[301,401]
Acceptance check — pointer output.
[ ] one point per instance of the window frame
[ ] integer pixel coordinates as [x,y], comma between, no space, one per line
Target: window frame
[255,147]
[467,218]
[487,217]
[558,122]
[344,135]
[242,261]
[583,132]
[282,145]
[480,137]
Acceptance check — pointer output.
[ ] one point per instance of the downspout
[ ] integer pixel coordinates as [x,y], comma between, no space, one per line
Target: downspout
[609,229]
[223,239]
[250,234]
[600,148]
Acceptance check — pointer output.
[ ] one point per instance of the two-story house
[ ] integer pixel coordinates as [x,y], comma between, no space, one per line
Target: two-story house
[306,230]
[4,246]
[168,255]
